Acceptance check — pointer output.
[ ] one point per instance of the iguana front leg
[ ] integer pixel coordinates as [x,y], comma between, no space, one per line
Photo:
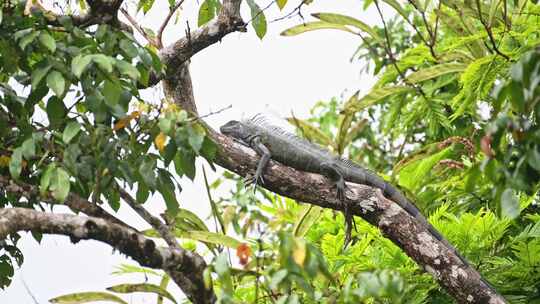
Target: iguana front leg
[331,171]
[263,151]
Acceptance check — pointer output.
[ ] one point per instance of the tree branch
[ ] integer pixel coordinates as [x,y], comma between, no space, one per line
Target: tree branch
[172,10]
[184,267]
[175,55]
[156,223]
[73,201]
[100,12]
[461,281]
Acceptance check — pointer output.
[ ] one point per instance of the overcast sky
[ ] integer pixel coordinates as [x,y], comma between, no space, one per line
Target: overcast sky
[276,75]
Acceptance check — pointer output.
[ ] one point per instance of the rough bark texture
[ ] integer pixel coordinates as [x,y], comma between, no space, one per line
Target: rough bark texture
[75,202]
[461,281]
[184,267]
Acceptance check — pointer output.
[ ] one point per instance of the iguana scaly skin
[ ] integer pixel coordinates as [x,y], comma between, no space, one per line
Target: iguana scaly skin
[272,142]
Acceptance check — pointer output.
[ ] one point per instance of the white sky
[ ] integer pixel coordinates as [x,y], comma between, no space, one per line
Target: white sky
[277,75]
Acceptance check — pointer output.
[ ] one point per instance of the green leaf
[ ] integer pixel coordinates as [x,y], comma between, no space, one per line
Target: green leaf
[258,19]
[412,175]
[127,69]
[87,297]
[347,20]
[72,129]
[345,122]
[60,184]
[130,269]
[209,149]
[310,132]
[129,49]
[184,163]
[209,237]
[146,169]
[207,11]
[281,4]
[196,137]
[509,204]
[56,111]
[142,193]
[111,92]
[46,179]
[313,26]
[56,82]
[103,62]
[397,7]
[373,97]
[533,158]
[47,41]
[15,163]
[436,71]
[277,278]
[79,64]
[29,148]
[27,39]
[38,74]
[166,188]
[309,216]
[144,287]
[194,221]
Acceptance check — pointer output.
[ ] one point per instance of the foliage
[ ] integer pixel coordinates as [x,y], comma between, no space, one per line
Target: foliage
[452,120]
[72,119]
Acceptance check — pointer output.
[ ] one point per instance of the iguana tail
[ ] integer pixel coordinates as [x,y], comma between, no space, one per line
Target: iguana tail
[395,195]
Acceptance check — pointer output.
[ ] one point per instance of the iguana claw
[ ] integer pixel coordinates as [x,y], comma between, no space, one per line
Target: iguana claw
[253,180]
[341,188]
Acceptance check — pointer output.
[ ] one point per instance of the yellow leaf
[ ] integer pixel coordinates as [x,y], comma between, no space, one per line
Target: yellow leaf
[299,252]
[143,107]
[160,140]
[4,161]
[121,123]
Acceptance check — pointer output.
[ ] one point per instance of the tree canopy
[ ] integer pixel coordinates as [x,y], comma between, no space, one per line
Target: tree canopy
[451,120]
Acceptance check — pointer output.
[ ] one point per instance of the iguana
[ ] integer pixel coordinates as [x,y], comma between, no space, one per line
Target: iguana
[272,142]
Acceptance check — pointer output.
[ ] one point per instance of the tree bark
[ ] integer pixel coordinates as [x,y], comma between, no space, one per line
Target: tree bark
[185,267]
[461,281]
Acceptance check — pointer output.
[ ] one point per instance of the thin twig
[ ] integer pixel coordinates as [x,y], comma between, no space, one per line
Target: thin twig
[388,48]
[210,113]
[260,12]
[159,36]
[296,11]
[429,43]
[163,230]
[487,27]
[434,37]
[29,291]
[139,28]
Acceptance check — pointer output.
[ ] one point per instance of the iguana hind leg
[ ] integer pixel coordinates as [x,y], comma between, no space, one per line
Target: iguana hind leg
[331,171]
[256,144]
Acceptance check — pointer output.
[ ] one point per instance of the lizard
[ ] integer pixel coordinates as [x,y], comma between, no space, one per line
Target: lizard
[271,142]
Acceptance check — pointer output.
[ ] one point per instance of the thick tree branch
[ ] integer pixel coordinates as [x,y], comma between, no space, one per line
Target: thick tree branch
[228,20]
[460,280]
[176,55]
[100,12]
[184,267]
[73,201]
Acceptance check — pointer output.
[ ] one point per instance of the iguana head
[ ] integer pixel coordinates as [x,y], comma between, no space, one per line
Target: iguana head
[235,129]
